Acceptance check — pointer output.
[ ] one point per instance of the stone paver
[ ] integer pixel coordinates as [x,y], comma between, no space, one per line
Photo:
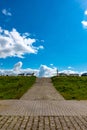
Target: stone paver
[42,108]
[43,123]
[42,90]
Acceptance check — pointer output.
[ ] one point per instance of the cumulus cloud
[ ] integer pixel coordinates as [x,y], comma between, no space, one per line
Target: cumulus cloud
[42,71]
[6,12]
[17,66]
[84,23]
[45,71]
[14,44]
[85,12]
[68,72]
[17,69]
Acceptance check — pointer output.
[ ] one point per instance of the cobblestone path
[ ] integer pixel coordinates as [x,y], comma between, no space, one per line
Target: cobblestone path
[43,123]
[43,108]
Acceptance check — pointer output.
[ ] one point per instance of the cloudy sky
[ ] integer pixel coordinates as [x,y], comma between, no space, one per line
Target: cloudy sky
[43,35]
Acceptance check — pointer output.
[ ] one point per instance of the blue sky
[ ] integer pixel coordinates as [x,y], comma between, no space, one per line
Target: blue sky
[52,33]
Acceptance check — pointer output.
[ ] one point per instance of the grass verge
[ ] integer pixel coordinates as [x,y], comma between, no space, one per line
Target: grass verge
[71,87]
[13,87]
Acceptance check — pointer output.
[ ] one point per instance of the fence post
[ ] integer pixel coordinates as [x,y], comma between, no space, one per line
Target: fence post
[57,73]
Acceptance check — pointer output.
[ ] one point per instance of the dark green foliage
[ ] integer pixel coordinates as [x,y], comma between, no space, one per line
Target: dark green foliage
[13,87]
[71,87]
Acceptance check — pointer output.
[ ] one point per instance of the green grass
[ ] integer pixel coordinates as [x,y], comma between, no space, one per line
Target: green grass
[71,87]
[13,87]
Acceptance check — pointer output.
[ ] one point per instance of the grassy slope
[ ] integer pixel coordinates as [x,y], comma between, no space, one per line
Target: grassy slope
[71,87]
[13,87]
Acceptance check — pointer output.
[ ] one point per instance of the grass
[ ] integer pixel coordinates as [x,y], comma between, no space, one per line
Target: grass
[71,87]
[13,87]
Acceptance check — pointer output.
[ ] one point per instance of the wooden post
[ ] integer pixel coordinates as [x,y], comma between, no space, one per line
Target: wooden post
[57,73]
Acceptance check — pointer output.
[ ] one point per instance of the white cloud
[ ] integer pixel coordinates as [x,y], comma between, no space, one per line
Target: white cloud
[41,47]
[17,66]
[83,72]
[68,72]
[42,71]
[6,12]
[13,44]
[45,71]
[84,23]
[51,64]
[26,34]
[85,12]
[69,67]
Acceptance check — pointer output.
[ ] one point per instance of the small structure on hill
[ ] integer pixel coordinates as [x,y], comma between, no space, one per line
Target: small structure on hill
[84,74]
[21,74]
[26,74]
[62,74]
[29,74]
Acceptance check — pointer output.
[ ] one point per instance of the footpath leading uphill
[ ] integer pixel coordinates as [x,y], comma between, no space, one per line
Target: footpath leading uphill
[43,108]
[42,90]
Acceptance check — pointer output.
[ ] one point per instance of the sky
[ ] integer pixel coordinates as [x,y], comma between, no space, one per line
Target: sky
[43,36]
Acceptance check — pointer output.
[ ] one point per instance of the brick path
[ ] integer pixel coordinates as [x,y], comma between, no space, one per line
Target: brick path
[44,109]
[43,123]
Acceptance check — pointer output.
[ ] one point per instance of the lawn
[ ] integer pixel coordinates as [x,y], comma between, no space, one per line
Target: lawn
[13,87]
[71,88]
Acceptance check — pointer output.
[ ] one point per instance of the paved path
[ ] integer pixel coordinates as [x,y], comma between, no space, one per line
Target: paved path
[42,90]
[43,123]
[42,108]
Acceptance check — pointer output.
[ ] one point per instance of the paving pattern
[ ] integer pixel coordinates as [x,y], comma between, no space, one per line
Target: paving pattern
[42,90]
[43,123]
[43,108]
